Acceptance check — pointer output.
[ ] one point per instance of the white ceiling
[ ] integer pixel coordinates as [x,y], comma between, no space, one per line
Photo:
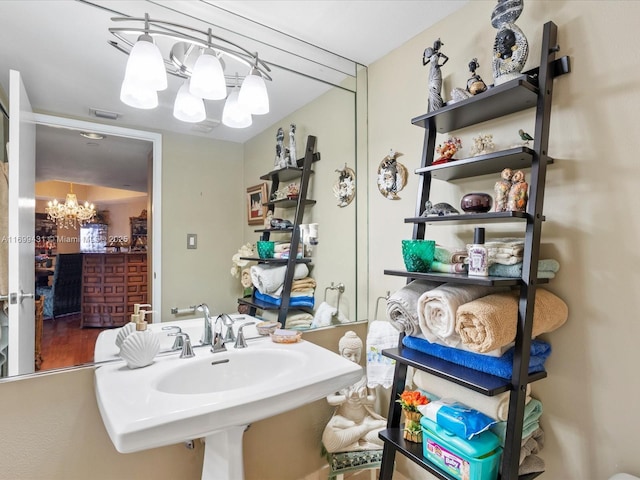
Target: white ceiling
[61,49]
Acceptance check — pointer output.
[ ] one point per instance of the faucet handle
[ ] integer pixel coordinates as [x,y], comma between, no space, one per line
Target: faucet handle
[187,349]
[179,342]
[240,340]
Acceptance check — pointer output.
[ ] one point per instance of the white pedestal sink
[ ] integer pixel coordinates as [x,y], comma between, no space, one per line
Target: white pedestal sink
[215,396]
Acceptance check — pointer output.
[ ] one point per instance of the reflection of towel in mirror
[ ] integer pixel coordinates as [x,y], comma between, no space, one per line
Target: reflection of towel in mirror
[402,306]
[295,300]
[380,369]
[325,315]
[299,321]
[437,310]
[269,278]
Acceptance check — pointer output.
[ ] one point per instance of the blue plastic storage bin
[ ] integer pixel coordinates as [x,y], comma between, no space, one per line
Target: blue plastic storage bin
[475,459]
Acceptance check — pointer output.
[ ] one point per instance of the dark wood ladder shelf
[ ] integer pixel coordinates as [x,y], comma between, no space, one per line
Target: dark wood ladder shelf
[531,91]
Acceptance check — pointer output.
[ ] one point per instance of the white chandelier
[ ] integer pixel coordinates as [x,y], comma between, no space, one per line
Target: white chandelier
[70,213]
[200,62]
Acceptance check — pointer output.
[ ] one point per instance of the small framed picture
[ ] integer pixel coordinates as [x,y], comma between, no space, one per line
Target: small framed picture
[256,197]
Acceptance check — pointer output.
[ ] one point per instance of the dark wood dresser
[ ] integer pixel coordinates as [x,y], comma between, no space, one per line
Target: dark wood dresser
[111,284]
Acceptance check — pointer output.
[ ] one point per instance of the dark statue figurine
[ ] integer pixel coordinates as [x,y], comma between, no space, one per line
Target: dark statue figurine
[432,55]
[475,84]
[510,48]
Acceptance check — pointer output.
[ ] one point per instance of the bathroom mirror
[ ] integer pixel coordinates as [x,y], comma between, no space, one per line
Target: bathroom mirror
[334,110]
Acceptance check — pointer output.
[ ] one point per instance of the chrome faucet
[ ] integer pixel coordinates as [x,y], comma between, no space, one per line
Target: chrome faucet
[207,336]
[187,350]
[228,322]
[240,341]
[179,341]
[217,343]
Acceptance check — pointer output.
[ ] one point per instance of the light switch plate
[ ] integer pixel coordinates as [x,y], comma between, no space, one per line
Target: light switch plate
[192,241]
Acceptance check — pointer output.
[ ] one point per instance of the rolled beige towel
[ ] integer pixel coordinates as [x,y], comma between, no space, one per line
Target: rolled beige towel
[437,310]
[496,406]
[490,322]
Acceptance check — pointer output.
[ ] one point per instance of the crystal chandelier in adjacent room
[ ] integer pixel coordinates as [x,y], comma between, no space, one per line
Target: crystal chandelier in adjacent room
[198,57]
[70,213]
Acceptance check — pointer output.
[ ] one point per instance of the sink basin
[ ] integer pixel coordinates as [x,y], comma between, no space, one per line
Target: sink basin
[215,396]
[228,372]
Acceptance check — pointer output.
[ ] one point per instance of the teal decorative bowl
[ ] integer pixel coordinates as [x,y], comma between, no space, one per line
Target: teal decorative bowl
[418,254]
[265,249]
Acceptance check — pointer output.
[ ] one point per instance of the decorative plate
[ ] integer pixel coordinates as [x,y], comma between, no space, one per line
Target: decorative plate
[392,176]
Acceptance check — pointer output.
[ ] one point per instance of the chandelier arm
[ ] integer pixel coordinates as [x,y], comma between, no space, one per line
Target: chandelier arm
[250,62]
[255,61]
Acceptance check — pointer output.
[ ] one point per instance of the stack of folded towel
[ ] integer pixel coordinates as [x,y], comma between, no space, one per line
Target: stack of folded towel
[294,320]
[269,282]
[449,260]
[547,268]
[504,251]
[532,438]
[282,250]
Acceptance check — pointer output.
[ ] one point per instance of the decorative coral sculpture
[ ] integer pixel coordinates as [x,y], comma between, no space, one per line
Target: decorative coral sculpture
[447,150]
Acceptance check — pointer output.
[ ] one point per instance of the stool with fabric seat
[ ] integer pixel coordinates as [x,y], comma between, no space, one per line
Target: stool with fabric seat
[345,462]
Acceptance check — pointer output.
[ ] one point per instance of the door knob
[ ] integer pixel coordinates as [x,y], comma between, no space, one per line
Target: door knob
[15,297]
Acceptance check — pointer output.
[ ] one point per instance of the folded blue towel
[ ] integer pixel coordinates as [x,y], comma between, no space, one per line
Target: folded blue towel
[301,301]
[499,366]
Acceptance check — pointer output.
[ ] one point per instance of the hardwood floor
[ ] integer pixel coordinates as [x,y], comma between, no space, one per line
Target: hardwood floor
[65,344]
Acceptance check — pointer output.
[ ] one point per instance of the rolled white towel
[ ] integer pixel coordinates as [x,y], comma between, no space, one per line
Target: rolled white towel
[437,310]
[269,278]
[402,306]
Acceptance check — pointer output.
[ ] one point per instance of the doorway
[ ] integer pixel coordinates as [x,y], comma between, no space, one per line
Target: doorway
[68,335]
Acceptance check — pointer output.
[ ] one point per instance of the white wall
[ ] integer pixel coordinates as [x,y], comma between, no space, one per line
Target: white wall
[591,394]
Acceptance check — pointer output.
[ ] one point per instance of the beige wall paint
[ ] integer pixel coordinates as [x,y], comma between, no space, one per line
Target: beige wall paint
[591,227]
[202,185]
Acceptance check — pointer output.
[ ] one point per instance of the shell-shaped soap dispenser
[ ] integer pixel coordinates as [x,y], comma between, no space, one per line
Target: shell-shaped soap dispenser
[130,327]
[141,346]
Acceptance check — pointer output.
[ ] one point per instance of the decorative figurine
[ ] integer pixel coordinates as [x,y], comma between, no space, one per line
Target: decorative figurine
[345,188]
[475,84]
[482,144]
[447,150]
[354,425]
[292,146]
[510,48]
[392,176]
[281,160]
[518,195]
[458,94]
[433,55]
[439,209]
[525,136]
[501,190]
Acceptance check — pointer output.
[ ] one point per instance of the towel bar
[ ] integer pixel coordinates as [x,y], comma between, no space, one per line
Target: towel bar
[340,288]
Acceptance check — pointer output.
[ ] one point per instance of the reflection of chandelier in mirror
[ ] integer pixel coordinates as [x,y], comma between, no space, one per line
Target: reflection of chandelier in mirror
[200,62]
[70,213]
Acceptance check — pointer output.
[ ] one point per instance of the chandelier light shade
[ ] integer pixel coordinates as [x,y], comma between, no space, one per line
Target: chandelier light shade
[207,80]
[253,94]
[136,96]
[234,115]
[197,56]
[145,66]
[187,106]
[70,213]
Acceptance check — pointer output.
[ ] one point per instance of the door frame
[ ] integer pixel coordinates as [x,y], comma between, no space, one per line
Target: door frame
[156,193]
